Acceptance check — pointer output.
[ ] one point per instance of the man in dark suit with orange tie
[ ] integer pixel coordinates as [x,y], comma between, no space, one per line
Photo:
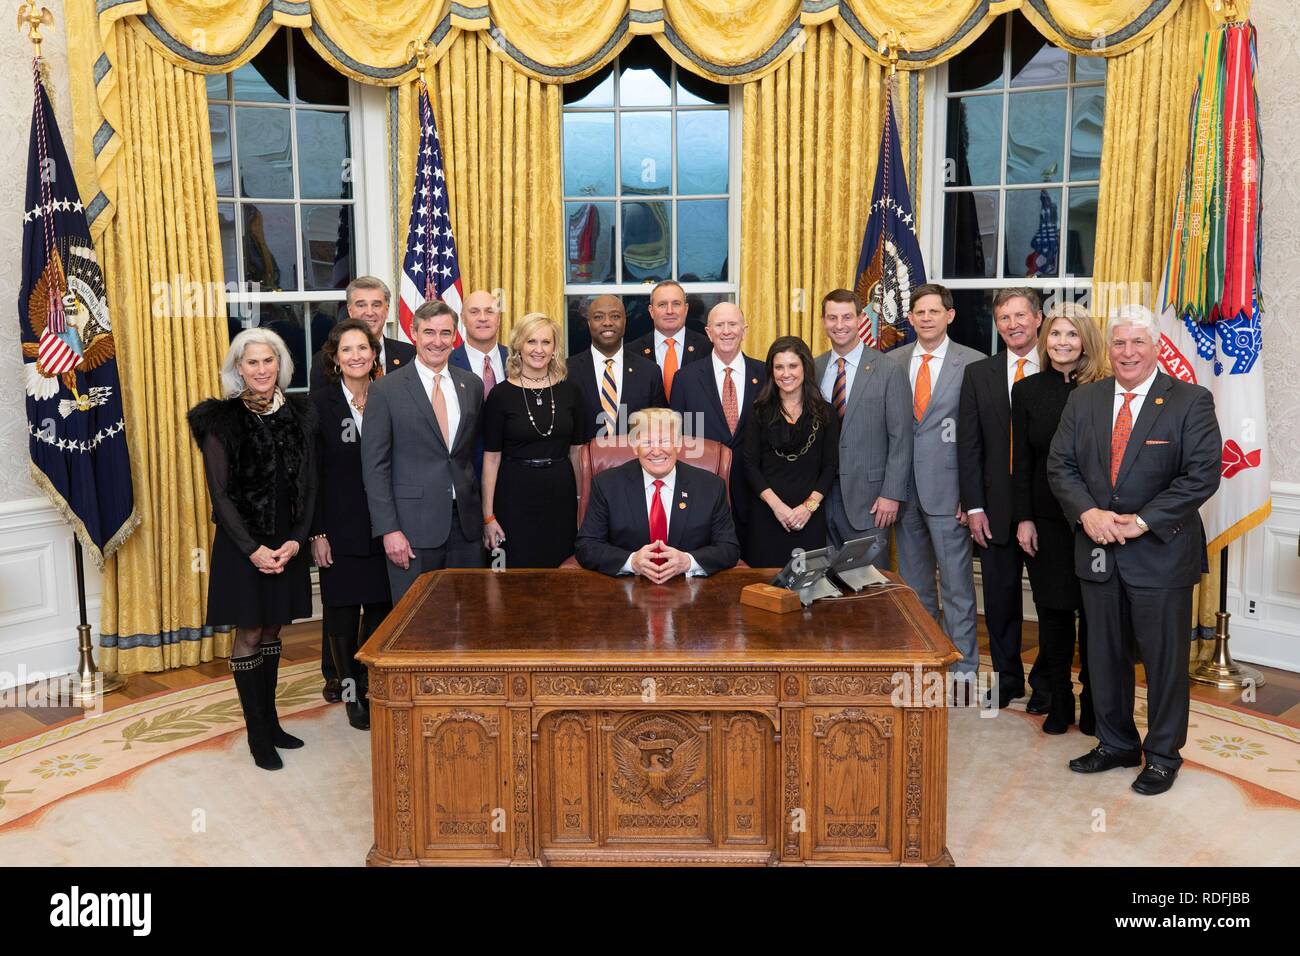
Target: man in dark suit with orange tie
[1133,460]
[670,345]
[614,381]
[714,398]
[657,517]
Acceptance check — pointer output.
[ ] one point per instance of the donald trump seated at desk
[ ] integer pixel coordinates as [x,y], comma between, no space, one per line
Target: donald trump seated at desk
[656,516]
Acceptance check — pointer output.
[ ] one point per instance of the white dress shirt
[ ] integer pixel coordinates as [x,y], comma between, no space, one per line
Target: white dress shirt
[1135,406]
[356,412]
[475,359]
[661,346]
[737,366]
[936,364]
[666,497]
[851,362]
[1031,366]
[448,392]
[598,359]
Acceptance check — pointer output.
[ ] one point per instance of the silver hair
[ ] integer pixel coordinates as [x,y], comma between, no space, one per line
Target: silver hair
[231,382]
[1133,313]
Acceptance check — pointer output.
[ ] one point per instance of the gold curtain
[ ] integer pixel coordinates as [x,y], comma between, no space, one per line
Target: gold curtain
[162,260]
[809,140]
[500,134]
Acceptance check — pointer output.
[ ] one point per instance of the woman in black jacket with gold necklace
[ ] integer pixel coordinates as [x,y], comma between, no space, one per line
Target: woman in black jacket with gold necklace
[258,449]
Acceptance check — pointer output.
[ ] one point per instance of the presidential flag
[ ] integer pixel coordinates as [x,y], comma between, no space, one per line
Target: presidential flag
[430,269]
[76,430]
[1211,310]
[890,264]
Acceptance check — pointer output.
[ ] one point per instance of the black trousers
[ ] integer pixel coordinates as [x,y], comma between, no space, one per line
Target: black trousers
[1056,635]
[1125,624]
[1002,567]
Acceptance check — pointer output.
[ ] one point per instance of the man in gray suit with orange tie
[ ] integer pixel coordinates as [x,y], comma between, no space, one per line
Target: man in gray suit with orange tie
[932,530]
[417,457]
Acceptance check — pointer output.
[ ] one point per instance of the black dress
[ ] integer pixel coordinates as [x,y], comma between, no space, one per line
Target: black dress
[768,446]
[1036,406]
[238,593]
[536,505]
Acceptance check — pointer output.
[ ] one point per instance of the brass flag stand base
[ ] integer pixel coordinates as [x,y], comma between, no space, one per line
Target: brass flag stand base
[1219,669]
[87,687]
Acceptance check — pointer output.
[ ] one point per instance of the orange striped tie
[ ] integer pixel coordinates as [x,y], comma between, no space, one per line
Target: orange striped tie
[921,398]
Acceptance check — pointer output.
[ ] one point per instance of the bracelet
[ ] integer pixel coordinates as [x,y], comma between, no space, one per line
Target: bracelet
[810,504]
[317,537]
[488,519]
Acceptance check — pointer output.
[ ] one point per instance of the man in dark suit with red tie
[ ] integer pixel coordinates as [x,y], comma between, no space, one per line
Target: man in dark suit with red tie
[714,398]
[614,381]
[1133,460]
[657,517]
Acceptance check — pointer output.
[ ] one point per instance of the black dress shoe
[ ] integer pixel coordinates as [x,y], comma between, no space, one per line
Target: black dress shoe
[333,690]
[1099,759]
[1039,703]
[1155,779]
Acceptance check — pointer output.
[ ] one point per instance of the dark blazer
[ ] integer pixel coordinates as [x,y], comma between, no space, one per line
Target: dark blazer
[460,359]
[618,524]
[984,444]
[1171,467]
[397,354]
[342,514]
[642,387]
[697,347]
[408,470]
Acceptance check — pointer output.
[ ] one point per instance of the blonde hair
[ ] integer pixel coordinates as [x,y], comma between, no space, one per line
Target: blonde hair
[232,383]
[557,368]
[1092,362]
[654,421]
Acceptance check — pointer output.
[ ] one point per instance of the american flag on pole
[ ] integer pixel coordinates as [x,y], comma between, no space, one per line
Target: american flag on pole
[430,269]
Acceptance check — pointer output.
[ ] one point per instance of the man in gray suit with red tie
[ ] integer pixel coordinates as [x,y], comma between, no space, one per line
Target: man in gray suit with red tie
[1133,460]
[417,457]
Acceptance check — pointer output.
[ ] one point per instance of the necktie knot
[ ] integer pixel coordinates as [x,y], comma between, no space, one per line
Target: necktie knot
[840,362]
[609,364]
[659,486]
[1129,396]
[925,358]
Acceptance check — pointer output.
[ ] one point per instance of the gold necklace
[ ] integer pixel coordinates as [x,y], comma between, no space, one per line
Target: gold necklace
[352,400]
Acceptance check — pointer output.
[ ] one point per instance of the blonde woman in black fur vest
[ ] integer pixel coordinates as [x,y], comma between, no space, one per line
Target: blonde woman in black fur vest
[258,448]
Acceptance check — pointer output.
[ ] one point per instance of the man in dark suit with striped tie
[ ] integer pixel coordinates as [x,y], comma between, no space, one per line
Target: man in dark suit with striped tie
[614,382]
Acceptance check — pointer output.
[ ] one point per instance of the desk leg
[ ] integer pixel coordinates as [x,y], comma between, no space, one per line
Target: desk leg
[794,818]
[521,778]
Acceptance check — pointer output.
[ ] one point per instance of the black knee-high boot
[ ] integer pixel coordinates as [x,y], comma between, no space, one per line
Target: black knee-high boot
[343,641]
[271,676]
[1056,648]
[247,672]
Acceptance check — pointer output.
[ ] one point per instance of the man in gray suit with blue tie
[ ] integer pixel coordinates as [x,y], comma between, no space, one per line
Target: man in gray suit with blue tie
[870,394]
[932,529]
[417,457]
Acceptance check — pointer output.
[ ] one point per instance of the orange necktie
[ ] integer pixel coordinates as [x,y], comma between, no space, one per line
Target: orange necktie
[921,398]
[1119,436]
[670,367]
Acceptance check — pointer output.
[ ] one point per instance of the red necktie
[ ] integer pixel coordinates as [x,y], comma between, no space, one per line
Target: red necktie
[658,519]
[1119,436]
[730,407]
[489,376]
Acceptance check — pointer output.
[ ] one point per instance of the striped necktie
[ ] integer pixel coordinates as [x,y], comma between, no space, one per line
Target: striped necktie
[838,396]
[609,396]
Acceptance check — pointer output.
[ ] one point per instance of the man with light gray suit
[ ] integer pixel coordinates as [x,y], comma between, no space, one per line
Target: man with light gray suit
[417,457]
[870,394]
[932,529]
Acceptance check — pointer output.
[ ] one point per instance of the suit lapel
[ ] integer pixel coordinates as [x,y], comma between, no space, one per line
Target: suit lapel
[1152,406]
[676,513]
[425,402]
[998,382]
[750,392]
[866,367]
[463,399]
[635,488]
[952,364]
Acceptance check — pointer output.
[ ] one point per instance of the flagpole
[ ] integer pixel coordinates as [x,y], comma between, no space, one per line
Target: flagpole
[88,686]
[1219,669]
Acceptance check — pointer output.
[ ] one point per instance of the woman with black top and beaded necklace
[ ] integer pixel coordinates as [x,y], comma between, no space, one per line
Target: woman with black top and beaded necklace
[258,454]
[530,494]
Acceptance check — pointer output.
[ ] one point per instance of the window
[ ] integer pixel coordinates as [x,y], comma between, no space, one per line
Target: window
[1021,160]
[282,150]
[650,188]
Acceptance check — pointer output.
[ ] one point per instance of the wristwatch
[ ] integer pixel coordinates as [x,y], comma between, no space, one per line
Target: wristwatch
[1140,523]
[811,505]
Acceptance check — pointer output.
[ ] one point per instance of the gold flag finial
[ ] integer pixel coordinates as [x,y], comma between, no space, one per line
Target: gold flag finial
[32,16]
[1228,9]
[890,44]
[420,53]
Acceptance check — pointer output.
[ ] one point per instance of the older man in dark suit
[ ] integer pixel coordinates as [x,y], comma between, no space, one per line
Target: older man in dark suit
[1134,458]
[417,457]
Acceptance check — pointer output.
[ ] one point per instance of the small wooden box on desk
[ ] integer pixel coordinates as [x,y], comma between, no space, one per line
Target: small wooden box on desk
[564,717]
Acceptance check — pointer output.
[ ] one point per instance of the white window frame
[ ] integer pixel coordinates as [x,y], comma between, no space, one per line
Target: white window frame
[935,151]
[733,196]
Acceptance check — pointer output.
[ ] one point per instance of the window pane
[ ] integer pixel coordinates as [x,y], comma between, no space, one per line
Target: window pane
[1036,137]
[979,66]
[588,154]
[1087,122]
[702,148]
[589,234]
[595,90]
[1033,232]
[229,251]
[975,140]
[646,160]
[640,85]
[216,86]
[646,242]
[1034,61]
[327,246]
[1088,68]
[695,90]
[702,240]
[314,80]
[973,324]
[265,78]
[1083,230]
[324,154]
[270,247]
[285,320]
[265,153]
[223,166]
[970,235]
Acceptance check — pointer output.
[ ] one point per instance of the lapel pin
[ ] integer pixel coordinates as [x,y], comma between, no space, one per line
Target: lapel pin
[866,368]
[647,352]
[1160,401]
[685,495]
[690,348]
[754,380]
[682,505]
[397,361]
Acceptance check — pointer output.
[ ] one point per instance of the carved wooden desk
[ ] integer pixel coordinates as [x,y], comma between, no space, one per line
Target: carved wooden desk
[567,717]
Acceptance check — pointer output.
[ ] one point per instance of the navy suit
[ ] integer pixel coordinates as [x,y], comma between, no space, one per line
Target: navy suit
[396,355]
[617,522]
[460,359]
[642,387]
[696,397]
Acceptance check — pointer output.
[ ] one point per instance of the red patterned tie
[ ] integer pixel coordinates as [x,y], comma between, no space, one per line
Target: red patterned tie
[730,407]
[1119,436]
[658,519]
[489,376]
